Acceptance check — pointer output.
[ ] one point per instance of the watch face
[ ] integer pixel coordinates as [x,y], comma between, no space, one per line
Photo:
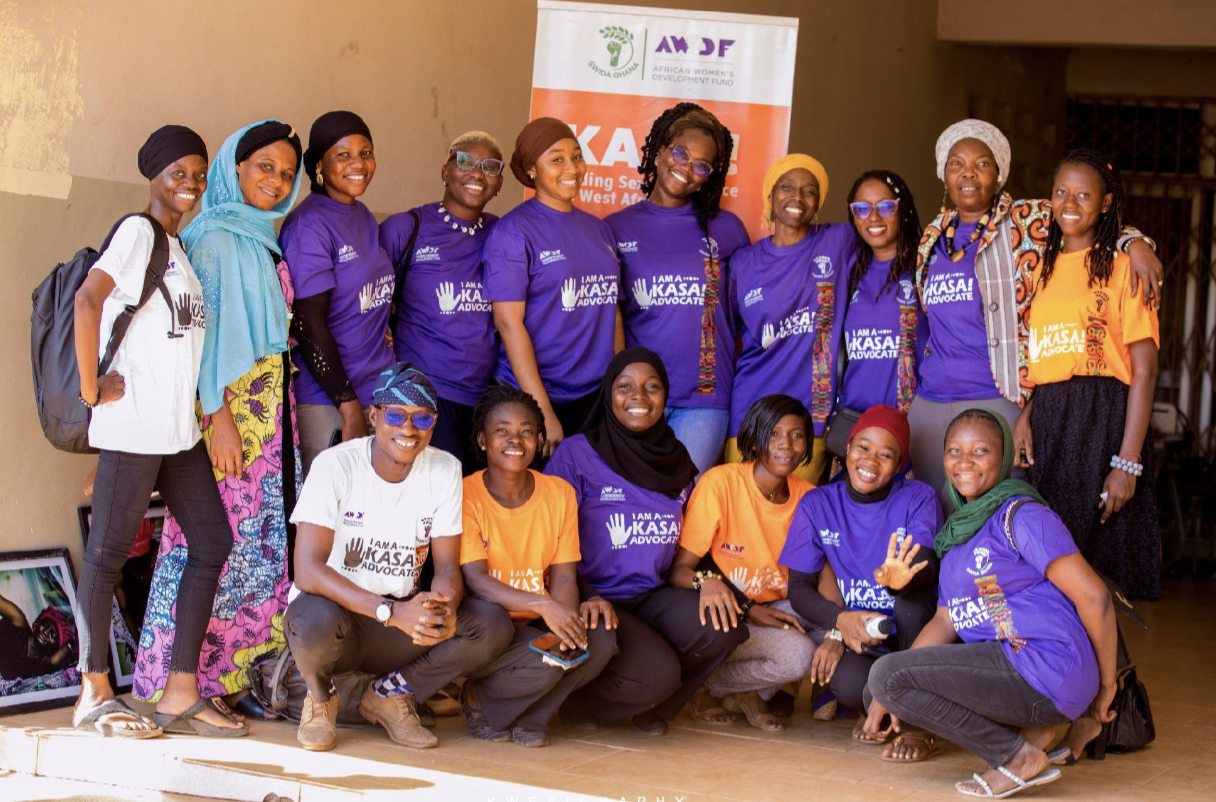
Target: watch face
[384,611]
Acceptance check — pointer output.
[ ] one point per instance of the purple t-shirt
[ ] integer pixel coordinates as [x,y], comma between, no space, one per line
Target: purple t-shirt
[853,537]
[954,365]
[444,322]
[776,294]
[873,338]
[563,265]
[628,535]
[994,592]
[332,246]
[664,260]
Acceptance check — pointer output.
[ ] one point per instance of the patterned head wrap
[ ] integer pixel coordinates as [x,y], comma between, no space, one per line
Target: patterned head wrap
[782,166]
[987,133]
[405,385]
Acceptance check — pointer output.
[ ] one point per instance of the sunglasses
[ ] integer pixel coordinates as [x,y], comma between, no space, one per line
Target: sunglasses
[422,420]
[886,208]
[702,168]
[467,163]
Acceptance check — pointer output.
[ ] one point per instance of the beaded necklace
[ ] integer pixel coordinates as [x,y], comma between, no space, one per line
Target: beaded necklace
[470,229]
[956,256]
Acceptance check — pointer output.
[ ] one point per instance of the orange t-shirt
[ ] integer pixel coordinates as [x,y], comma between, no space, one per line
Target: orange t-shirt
[519,545]
[729,516]
[1078,330]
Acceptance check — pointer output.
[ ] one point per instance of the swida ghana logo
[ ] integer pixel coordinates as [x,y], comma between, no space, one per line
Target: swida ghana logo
[618,46]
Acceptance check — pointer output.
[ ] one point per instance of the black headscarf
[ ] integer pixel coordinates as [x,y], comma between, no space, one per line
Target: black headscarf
[269,132]
[166,145]
[325,132]
[654,459]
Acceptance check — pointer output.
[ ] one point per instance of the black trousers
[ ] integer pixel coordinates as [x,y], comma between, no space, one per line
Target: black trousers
[454,434]
[326,639]
[912,612]
[121,491]
[664,655]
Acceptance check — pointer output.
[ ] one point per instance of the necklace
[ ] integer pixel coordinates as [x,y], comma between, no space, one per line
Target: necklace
[469,229]
[950,229]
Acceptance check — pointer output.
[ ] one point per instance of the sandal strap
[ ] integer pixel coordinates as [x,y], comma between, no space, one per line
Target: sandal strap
[185,716]
[107,708]
[1016,779]
[987,788]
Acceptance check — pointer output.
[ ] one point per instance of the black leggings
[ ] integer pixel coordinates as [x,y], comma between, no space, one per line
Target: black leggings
[454,434]
[912,611]
[664,655]
[121,491]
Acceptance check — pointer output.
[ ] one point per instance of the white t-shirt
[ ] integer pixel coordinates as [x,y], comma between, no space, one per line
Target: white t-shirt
[159,357]
[382,530]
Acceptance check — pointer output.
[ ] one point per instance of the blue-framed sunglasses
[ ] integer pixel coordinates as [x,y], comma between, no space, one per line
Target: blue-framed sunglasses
[421,420]
[886,208]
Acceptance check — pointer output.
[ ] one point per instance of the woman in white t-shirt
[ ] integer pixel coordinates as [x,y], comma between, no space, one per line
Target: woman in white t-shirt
[143,423]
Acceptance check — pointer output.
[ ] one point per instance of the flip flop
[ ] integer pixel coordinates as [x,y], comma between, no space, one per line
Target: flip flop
[886,736]
[91,721]
[187,723]
[1045,777]
[929,741]
[1059,757]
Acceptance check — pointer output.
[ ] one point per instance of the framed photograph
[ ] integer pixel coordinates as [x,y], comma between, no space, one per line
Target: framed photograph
[39,646]
[131,590]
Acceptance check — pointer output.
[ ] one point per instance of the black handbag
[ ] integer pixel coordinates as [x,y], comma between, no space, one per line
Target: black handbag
[1133,726]
[836,436]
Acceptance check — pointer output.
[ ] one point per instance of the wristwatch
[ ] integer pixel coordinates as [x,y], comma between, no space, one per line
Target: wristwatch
[835,634]
[384,611]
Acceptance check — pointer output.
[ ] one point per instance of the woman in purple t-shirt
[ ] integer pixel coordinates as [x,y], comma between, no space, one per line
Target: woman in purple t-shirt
[344,284]
[443,321]
[674,249]
[786,293]
[552,278]
[1037,625]
[884,323]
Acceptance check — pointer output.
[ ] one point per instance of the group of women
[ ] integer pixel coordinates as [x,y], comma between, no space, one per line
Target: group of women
[625,356]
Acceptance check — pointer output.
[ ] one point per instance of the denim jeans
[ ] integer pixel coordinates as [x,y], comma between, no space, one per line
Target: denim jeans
[702,431]
[121,491]
[968,693]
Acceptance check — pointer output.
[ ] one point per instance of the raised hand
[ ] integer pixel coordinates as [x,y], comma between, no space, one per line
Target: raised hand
[738,578]
[569,294]
[616,529]
[446,293]
[354,553]
[768,335]
[640,294]
[897,570]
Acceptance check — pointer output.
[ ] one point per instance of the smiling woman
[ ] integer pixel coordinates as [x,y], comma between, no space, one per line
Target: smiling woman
[443,321]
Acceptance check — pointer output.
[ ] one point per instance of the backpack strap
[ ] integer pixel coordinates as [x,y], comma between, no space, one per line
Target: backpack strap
[1009,511]
[154,279]
[400,269]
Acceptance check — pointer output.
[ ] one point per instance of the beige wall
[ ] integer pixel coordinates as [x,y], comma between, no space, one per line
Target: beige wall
[82,82]
[1142,73]
[1079,23]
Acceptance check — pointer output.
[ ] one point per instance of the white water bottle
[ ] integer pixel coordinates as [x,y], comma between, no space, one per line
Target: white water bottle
[879,627]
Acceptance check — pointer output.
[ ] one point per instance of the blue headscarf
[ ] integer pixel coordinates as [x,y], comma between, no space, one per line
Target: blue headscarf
[227,244]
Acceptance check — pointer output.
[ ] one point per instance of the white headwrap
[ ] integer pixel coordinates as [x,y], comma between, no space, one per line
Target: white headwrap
[987,133]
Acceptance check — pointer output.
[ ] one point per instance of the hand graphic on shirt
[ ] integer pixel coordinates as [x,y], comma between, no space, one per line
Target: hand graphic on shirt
[640,294]
[354,554]
[617,530]
[569,294]
[768,335]
[446,293]
[738,578]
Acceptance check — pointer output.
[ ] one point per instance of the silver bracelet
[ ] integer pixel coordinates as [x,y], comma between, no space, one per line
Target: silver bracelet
[1126,465]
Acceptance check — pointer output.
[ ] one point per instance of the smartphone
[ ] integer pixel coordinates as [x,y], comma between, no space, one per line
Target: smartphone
[336,440]
[551,646]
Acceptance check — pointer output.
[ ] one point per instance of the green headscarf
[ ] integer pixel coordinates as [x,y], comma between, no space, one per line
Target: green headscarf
[968,518]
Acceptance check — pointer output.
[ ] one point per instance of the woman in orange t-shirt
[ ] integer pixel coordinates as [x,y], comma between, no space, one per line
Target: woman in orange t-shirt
[519,550]
[739,515]
[1084,435]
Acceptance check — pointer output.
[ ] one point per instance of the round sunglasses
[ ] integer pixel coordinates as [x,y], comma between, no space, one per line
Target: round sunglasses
[886,208]
[467,163]
[421,420]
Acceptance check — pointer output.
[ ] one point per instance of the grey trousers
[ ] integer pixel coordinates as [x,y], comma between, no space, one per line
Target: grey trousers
[327,639]
[317,424]
[518,690]
[768,659]
[928,421]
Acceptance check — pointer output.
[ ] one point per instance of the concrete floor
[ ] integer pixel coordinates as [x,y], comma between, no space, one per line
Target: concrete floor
[1176,659]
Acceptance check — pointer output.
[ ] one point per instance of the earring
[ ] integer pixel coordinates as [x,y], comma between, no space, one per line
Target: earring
[945,197]
[445,183]
[320,179]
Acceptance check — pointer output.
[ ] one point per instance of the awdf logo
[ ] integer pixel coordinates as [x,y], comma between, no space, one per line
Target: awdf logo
[618,42]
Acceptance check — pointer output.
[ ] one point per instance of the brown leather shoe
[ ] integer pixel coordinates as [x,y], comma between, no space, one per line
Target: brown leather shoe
[399,717]
[318,731]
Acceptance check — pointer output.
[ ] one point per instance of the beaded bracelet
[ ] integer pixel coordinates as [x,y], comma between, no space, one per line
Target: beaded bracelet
[1127,466]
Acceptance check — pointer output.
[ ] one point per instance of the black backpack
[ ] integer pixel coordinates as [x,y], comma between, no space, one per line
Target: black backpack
[65,421]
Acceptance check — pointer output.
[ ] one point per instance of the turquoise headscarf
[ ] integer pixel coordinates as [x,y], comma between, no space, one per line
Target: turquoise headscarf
[227,244]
